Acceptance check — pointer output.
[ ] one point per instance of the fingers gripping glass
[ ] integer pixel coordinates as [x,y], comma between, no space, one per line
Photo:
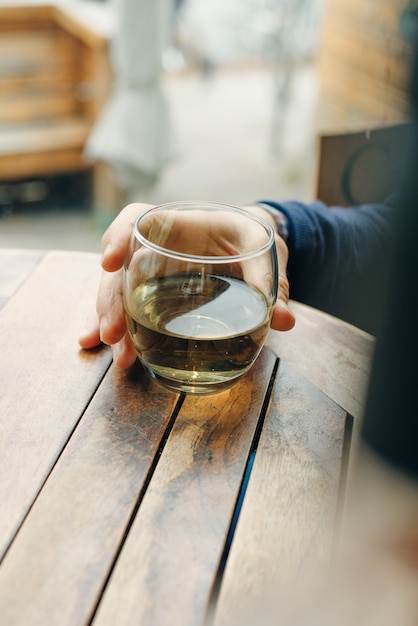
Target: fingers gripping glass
[200,285]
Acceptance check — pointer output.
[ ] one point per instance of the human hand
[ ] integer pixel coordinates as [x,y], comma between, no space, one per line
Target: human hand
[108,324]
[283,318]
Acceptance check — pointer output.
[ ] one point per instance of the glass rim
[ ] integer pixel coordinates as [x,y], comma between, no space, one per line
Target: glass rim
[218,206]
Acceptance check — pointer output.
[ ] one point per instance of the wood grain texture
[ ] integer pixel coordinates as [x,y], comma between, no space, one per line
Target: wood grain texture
[64,551]
[287,524]
[334,355]
[364,64]
[15,266]
[171,556]
[46,379]
[113,512]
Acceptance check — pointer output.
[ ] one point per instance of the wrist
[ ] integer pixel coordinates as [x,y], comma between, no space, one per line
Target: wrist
[280,219]
[262,212]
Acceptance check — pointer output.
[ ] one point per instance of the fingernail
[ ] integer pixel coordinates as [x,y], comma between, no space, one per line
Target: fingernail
[103,328]
[116,350]
[107,251]
[285,310]
[282,305]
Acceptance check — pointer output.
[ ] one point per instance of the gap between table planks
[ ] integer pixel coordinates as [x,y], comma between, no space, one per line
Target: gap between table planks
[294,483]
[47,381]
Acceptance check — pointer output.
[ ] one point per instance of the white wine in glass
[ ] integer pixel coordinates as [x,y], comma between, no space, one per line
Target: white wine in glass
[200,284]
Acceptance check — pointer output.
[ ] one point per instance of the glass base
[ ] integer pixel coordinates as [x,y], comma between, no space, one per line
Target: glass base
[193,388]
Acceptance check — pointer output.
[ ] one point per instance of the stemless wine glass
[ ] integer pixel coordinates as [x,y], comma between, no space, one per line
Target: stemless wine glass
[200,284]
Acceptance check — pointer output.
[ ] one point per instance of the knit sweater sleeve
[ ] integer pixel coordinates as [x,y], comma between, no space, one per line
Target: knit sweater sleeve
[338,257]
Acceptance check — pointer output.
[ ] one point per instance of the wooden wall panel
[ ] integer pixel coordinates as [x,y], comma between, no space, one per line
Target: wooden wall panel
[364,64]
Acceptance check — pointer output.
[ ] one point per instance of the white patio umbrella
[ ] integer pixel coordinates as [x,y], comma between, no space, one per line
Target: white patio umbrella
[132,132]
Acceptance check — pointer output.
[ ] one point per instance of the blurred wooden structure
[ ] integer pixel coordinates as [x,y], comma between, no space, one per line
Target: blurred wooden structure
[364,63]
[362,166]
[54,77]
[364,68]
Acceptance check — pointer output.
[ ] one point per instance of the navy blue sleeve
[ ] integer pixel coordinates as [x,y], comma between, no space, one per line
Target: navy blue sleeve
[339,257]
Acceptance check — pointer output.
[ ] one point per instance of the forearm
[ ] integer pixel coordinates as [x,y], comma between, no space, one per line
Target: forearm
[338,257]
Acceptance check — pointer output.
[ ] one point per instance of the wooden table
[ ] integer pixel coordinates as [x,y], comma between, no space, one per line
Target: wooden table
[117,496]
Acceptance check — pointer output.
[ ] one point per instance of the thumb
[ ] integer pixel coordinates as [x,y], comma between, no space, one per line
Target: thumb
[283,318]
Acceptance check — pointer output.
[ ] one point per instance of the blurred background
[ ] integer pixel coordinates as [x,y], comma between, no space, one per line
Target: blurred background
[103,102]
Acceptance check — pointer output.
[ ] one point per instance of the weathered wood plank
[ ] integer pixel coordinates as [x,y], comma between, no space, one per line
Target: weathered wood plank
[15,266]
[46,379]
[170,558]
[363,64]
[287,523]
[55,569]
[338,359]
